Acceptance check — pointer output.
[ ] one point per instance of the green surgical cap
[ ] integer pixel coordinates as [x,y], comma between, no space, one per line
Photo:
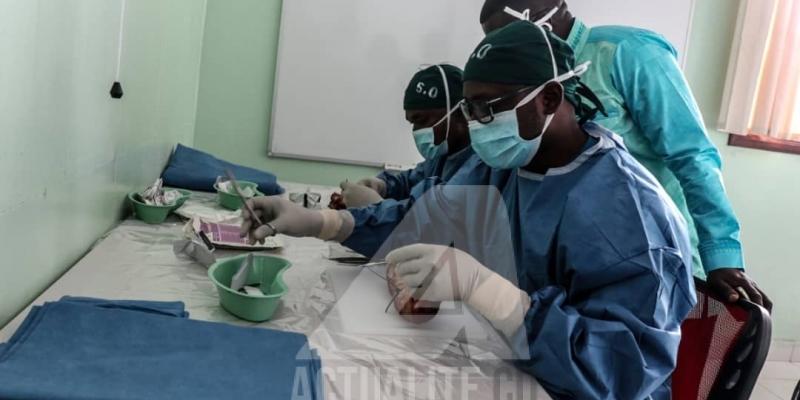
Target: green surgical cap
[517,54]
[427,89]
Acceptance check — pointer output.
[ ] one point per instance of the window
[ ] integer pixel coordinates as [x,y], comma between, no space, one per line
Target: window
[761,104]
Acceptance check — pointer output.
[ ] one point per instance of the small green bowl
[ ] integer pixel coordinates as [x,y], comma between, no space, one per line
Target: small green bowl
[147,213]
[232,201]
[267,271]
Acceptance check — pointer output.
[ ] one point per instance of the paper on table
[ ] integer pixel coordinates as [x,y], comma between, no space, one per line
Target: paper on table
[226,236]
[240,278]
[156,195]
[227,186]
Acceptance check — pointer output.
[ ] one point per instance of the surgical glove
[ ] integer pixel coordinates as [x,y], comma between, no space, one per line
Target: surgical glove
[446,274]
[355,195]
[375,184]
[282,216]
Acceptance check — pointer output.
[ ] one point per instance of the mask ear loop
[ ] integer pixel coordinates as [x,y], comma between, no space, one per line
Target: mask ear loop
[526,16]
[577,72]
[540,23]
[545,21]
[523,16]
[449,113]
[556,78]
[447,97]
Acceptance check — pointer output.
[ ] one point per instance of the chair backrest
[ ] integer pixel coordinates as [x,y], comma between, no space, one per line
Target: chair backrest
[723,348]
[796,395]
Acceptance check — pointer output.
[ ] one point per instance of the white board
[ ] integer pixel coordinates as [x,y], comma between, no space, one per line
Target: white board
[343,67]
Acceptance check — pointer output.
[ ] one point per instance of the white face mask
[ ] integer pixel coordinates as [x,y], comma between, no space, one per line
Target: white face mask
[425,139]
[499,143]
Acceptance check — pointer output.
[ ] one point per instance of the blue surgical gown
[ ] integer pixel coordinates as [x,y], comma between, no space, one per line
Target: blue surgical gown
[600,248]
[399,186]
[636,75]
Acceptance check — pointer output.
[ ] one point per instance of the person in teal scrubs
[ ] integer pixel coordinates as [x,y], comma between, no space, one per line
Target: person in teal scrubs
[636,75]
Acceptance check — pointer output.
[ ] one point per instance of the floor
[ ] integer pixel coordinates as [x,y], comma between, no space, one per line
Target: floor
[777,382]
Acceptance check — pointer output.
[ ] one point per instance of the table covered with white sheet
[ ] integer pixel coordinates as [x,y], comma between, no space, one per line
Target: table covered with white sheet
[366,353]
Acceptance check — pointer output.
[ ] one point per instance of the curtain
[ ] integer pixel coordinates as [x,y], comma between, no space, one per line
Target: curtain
[761,95]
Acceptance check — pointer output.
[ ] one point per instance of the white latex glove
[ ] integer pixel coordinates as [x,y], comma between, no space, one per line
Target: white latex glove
[375,184]
[282,216]
[356,195]
[447,274]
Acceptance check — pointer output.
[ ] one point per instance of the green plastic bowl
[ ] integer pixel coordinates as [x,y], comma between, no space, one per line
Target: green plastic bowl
[232,201]
[147,213]
[267,271]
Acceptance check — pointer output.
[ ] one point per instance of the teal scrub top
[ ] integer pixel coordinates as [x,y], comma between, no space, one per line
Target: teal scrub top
[636,75]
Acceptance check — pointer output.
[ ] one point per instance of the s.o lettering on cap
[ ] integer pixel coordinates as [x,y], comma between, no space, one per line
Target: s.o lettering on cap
[432,92]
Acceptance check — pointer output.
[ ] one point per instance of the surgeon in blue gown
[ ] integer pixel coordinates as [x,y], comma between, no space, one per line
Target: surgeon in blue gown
[439,131]
[603,257]
[650,105]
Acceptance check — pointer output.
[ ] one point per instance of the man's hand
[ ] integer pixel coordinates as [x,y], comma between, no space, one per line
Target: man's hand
[279,216]
[442,273]
[439,273]
[356,195]
[375,184]
[729,281]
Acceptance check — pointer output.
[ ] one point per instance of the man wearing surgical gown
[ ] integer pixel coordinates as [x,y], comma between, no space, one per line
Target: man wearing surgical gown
[635,72]
[602,277]
[440,134]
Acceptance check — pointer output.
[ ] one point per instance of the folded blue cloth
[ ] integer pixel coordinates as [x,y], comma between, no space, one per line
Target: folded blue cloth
[169,308]
[97,349]
[195,170]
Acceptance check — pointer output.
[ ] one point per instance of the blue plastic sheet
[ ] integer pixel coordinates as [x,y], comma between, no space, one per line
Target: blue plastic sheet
[195,170]
[99,349]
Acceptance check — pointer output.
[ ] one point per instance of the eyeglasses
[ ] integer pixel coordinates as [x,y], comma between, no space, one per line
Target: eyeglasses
[483,110]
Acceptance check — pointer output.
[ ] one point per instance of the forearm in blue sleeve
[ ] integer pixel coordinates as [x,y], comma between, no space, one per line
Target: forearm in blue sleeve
[399,185]
[611,337]
[374,224]
[434,213]
[665,111]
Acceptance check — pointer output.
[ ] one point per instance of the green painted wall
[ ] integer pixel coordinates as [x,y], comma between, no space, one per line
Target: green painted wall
[762,185]
[68,152]
[237,77]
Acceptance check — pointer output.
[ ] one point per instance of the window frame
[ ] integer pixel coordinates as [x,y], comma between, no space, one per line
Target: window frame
[766,143]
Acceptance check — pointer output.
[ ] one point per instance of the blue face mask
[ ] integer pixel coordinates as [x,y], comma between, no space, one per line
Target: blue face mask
[424,139]
[499,143]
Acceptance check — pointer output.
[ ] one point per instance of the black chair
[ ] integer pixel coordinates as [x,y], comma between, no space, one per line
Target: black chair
[723,348]
[796,395]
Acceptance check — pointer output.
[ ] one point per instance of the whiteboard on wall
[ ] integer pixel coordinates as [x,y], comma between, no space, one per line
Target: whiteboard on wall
[343,67]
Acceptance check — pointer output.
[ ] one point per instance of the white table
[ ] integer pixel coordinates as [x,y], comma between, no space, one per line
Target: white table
[136,261]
